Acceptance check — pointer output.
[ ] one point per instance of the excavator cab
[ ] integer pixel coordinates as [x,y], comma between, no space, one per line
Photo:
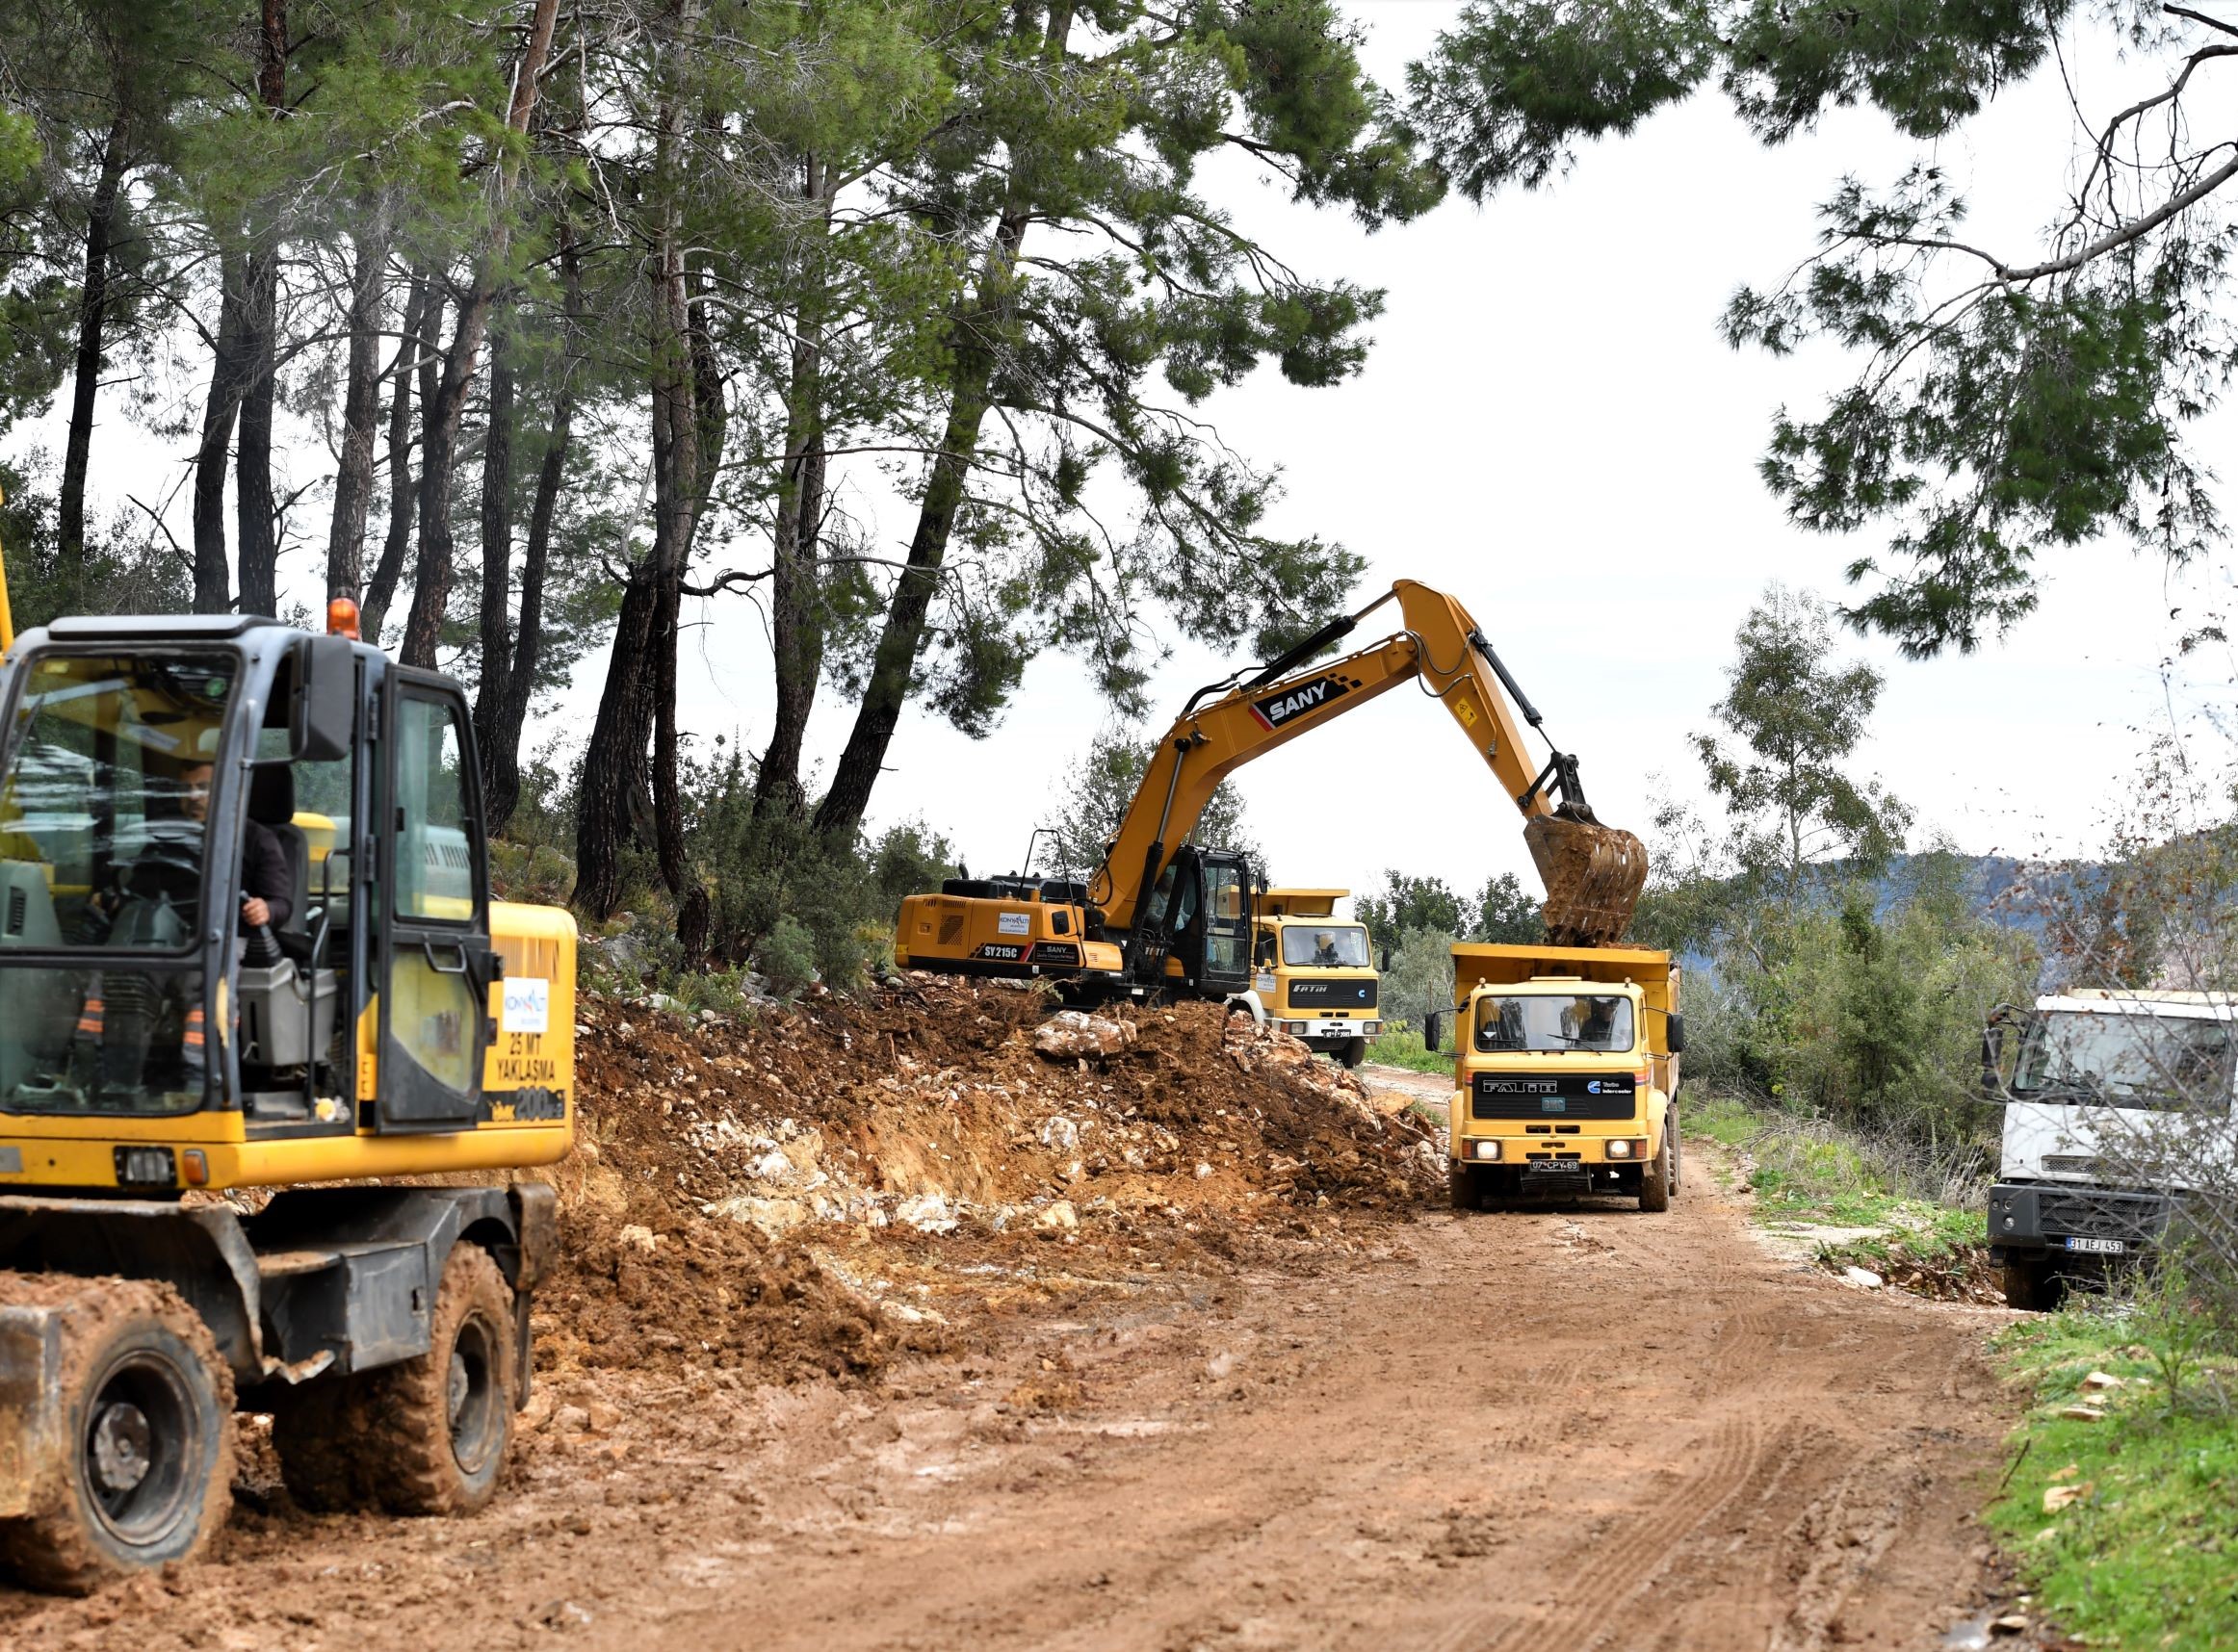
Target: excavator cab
[246,939]
[1195,931]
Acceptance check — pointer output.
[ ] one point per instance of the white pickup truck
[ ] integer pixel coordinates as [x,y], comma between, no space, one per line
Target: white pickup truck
[2117,1104]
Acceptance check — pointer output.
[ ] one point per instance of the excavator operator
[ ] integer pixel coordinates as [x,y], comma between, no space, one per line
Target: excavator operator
[267,889]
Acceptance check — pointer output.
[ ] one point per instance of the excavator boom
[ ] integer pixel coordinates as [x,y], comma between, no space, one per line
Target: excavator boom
[1593,874]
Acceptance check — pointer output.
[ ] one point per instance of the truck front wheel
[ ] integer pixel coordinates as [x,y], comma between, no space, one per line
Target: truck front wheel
[143,1473]
[1352,1051]
[1657,1179]
[1462,1186]
[2031,1285]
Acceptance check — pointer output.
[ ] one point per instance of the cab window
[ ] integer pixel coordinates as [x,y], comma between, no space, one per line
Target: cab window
[1548,1022]
[1335,946]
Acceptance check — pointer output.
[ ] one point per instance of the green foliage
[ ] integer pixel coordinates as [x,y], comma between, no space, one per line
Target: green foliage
[788,956]
[1506,913]
[1406,904]
[1420,981]
[1797,716]
[2006,401]
[2144,1556]
[1402,1046]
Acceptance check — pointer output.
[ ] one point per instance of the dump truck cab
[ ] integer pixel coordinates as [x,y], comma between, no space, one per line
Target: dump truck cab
[1566,1072]
[247,941]
[2118,1106]
[1314,973]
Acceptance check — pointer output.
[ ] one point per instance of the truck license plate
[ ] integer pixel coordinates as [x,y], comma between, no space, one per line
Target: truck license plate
[2098,1247]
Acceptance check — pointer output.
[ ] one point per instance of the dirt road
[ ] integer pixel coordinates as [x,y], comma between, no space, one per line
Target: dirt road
[1529,1431]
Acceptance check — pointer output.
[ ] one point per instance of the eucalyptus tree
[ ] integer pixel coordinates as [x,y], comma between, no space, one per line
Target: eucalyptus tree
[2009,399]
[1108,296]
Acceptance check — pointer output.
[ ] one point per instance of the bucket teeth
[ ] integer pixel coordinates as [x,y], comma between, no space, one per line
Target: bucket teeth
[1593,876]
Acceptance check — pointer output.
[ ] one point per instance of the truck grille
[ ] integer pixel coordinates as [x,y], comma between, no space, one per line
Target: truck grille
[2098,1215]
[2074,1164]
[1579,1095]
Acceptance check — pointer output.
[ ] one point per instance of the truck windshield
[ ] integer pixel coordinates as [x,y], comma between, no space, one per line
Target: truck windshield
[104,815]
[1337,946]
[2125,1060]
[1554,1021]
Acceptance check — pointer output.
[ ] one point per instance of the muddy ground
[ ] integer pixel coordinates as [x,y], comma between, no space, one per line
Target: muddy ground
[1258,1389]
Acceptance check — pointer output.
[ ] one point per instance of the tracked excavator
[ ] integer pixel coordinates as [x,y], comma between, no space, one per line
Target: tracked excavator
[247,943]
[1164,917]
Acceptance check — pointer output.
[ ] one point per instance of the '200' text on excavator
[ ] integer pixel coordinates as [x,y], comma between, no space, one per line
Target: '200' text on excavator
[1162,915]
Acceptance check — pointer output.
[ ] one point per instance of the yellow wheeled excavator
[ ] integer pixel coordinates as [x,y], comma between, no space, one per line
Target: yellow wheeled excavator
[246,941]
[1163,915]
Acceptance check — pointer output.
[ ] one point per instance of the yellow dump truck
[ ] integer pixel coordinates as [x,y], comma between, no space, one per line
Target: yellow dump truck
[1565,1072]
[1313,974]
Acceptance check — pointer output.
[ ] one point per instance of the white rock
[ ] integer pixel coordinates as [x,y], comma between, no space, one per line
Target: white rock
[638,1237]
[1075,1034]
[1204,1171]
[1059,1216]
[928,1213]
[1865,1277]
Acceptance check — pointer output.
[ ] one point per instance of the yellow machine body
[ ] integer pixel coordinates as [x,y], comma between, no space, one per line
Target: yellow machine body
[1314,972]
[1593,874]
[1591,1113]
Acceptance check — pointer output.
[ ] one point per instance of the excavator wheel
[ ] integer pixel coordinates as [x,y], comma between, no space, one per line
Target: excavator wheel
[426,1435]
[1593,875]
[142,1472]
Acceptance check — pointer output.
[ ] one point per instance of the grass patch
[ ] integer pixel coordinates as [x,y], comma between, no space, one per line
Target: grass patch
[2145,1554]
[1402,1046]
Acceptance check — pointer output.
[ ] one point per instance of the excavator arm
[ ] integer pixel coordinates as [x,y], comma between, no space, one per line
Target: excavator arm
[1592,873]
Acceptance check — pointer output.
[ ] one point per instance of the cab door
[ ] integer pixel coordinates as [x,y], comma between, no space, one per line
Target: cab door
[434,961]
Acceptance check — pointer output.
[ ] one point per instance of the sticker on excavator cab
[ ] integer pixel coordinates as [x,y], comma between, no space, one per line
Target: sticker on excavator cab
[1014,923]
[1276,709]
[528,1005]
[1467,712]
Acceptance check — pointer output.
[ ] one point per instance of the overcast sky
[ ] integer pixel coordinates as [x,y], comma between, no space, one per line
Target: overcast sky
[1548,427]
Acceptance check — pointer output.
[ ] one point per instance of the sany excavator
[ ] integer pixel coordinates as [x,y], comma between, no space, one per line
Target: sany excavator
[1162,915]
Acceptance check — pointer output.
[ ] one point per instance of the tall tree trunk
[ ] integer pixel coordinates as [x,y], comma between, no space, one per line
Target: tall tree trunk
[795,585]
[497,543]
[637,706]
[228,374]
[255,541]
[441,415]
[360,413]
[423,319]
[92,323]
[840,815]
[501,754]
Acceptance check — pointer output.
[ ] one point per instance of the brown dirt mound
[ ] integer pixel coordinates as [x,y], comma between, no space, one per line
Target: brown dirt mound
[716,1159]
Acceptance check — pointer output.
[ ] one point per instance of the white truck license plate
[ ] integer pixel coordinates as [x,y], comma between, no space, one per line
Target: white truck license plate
[2098,1247]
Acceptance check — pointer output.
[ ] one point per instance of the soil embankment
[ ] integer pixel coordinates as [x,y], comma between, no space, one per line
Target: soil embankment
[949,1342]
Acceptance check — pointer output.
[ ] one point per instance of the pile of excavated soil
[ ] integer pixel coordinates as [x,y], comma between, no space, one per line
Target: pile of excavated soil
[720,1162]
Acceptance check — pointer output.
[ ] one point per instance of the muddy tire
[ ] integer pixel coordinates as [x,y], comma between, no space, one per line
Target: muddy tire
[1656,1180]
[438,1426]
[426,1435]
[1463,1187]
[1677,1140]
[2031,1285]
[145,1473]
[1352,1051]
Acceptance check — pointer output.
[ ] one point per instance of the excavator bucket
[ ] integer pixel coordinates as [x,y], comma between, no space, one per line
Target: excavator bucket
[1593,876]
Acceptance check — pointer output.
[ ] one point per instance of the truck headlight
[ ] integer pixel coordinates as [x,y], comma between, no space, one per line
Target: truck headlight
[1620,1148]
[1484,1150]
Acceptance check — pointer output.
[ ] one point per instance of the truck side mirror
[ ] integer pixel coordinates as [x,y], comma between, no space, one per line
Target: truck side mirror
[324,712]
[1675,1033]
[1385,966]
[1430,1032]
